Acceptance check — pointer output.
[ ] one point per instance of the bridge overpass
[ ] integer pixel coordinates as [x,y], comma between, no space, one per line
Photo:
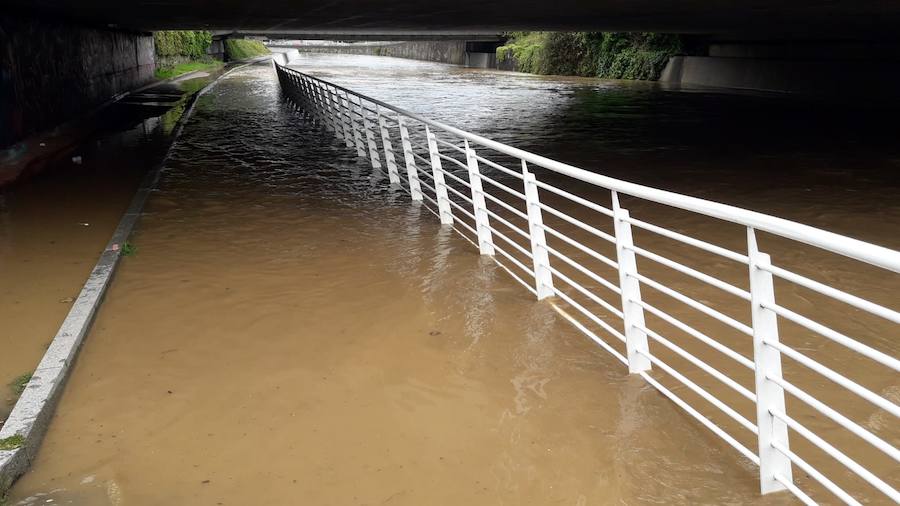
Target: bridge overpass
[803,46]
[817,19]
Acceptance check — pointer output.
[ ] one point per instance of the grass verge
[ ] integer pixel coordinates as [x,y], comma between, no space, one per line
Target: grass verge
[241,49]
[184,68]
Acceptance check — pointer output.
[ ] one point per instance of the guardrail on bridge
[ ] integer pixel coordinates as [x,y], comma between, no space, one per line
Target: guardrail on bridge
[468,195]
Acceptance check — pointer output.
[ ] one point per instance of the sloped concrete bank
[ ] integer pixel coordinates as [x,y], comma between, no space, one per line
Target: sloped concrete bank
[840,71]
[28,422]
[825,79]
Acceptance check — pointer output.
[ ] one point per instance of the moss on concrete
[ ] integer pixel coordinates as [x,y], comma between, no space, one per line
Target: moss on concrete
[12,442]
[18,385]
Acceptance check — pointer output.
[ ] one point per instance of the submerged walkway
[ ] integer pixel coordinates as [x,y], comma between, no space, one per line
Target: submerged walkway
[57,219]
[291,331]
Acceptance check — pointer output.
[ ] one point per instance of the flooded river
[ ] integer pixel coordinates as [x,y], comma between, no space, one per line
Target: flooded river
[292,330]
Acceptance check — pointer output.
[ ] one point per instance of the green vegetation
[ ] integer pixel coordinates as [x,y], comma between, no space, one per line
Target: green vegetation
[169,119]
[18,385]
[12,442]
[241,49]
[128,249]
[594,54]
[184,68]
[190,44]
[182,51]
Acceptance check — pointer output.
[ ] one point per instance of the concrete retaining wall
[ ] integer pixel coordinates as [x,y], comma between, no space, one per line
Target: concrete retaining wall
[443,51]
[52,71]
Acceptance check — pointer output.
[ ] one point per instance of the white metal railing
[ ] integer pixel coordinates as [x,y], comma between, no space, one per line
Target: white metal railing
[447,167]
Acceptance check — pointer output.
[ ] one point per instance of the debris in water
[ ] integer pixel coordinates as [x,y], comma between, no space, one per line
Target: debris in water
[114,493]
[66,300]
[434,333]
[76,160]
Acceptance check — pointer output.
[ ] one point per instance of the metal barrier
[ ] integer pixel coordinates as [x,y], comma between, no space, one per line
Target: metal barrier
[469,196]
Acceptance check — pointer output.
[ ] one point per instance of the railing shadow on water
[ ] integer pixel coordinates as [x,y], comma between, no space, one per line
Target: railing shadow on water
[714,337]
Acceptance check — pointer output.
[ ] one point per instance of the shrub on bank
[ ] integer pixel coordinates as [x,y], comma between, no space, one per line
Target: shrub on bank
[636,55]
[524,51]
[594,54]
[240,49]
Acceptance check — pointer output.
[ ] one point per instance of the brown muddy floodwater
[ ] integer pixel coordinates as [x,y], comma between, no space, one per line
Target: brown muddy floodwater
[54,225]
[293,331]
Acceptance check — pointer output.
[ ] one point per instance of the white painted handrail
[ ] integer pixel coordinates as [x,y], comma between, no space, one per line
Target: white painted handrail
[358,120]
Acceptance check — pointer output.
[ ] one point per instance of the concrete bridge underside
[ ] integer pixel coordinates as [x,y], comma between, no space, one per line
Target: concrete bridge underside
[831,19]
[61,58]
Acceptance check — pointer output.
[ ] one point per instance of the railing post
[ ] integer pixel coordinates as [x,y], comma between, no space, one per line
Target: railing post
[415,189]
[313,102]
[440,186]
[370,137]
[636,346]
[309,99]
[323,106]
[330,111]
[543,278]
[292,89]
[298,94]
[357,136]
[335,111]
[346,119]
[389,159]
[482,223]
[767,362]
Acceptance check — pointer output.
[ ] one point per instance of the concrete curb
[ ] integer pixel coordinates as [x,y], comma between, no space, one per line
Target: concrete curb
[31,415]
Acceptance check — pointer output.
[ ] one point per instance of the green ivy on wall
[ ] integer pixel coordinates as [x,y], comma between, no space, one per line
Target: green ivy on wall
[186,43]
[595,54]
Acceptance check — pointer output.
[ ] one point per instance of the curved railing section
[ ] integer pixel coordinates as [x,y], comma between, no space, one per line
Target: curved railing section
[491,194]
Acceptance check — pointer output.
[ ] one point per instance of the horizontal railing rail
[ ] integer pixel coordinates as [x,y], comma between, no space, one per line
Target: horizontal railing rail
[572,258]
